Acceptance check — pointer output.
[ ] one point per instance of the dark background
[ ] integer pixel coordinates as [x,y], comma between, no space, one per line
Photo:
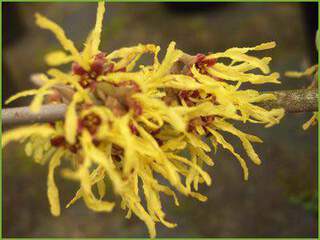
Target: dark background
[280,198]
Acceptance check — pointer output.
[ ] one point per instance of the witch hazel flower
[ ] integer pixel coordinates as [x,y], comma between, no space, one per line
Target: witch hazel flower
[129,125]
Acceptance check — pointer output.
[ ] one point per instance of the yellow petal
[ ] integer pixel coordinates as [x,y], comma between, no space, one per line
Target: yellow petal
[220,139]
[66,43]
[26,131]
[97,28]
[71,119]
[53,193]
[57,58]
[308,72]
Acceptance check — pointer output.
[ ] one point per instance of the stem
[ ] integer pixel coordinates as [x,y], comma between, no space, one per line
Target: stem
[22,115]
[293,101]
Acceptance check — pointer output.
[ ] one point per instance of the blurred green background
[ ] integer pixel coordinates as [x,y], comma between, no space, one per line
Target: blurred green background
[280,198]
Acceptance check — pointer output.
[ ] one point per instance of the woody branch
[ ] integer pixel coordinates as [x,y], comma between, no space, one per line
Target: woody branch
[292,101]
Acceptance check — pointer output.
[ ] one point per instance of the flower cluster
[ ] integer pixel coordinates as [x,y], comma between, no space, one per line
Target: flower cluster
[137,125]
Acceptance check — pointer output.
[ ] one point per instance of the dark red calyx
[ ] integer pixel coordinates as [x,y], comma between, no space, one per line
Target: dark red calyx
[214,99]
[192,124]
[96,142]
[117,150]
[195,94]
[159,141]
[58,141]
[200,57]
[207,119]
[100,55]
[91,122]
[202,63]
[155,132]
[74,148]
[134,105]
[209,62]
[109,68]
[85,81]
[130,84]
[184,94]
[77,69]
[97,66]
[123,69]
[133,129]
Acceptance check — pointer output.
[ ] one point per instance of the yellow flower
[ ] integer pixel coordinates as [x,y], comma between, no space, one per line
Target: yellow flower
[134,125]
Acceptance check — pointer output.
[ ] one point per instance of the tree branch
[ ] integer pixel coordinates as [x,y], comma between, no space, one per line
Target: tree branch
[293,101]
[22,115]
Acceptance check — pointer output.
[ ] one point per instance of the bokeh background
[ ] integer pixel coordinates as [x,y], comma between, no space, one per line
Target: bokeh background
[280,198]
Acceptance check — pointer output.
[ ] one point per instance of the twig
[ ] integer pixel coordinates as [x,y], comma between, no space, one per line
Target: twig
[293,101]
[22,115]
